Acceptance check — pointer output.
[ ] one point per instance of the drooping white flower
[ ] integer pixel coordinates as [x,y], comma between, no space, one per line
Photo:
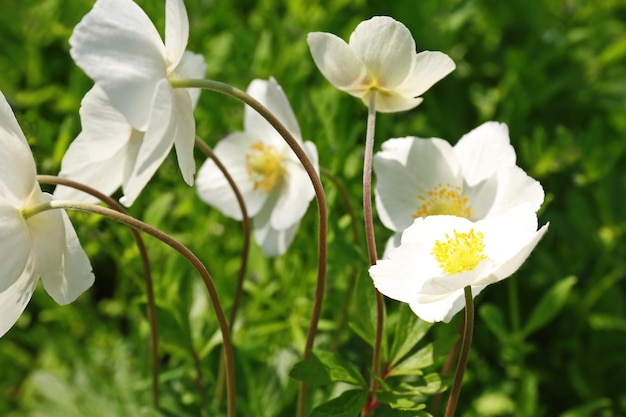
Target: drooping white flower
[379,55]
[275,187]
[475,179]
[440,255]
[117,45]
[44,245]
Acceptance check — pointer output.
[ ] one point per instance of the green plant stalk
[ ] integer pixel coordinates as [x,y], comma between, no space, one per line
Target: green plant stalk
[371,241]
[245,250]
[180,248]
[319,195]
[145,261]
[464,355]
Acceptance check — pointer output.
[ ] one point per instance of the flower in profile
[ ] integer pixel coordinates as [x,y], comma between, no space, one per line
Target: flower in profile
[441,255]
[42,245]
[275,187]
[380,55]
[117,45]
[475,179]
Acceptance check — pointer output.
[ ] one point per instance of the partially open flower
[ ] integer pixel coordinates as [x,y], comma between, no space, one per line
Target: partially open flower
[441,255]
[275,186]
[43,245]
[475,179]
[380,55]
[117,45]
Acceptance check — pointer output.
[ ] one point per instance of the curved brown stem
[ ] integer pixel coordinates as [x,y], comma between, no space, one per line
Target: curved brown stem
[145,261]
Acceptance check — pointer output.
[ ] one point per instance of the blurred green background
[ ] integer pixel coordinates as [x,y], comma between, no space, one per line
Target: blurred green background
[550,341]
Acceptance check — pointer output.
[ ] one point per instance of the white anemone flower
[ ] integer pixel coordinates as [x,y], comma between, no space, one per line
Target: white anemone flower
[441,255]
[41,246]
[475,179]
[380,55]
[117,45]
[274,184]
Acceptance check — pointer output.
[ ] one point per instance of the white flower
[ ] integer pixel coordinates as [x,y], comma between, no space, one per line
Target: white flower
[475,179]
[380,55]
[117,45]
[440,255]
[275,186]
[44,245]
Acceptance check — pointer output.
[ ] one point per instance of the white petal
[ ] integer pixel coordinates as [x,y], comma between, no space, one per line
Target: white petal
[76,276]
[117,45]
[508,188]
[392,243]
[386,47]
[15,244]
[296,193]
[176,31]
[428,68]
[213,188]
[191,66]
[391,102]
[444,309]
[406,168]
[98,155]
[439,287]
[17,167]
[13,300]
[484,150]
[272,96]
[520,257]
[184,134]
[273,242]
[335,59]
[402,275]
[507,233]
[155,146]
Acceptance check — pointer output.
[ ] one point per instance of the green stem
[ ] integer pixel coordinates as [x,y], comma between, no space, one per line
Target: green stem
[371,242]
[143,253]
[319,194]
[180,248]
[206,149]
[464,355]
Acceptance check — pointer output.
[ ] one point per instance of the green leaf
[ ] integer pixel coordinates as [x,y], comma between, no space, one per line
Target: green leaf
[414,364]
[410,329]
[310,371]
[364,324]
[494,319]
[338,369]
[549,305]
[348,404]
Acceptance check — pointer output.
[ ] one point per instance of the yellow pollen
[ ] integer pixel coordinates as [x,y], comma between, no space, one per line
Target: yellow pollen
[265,166]
[443,200]
[462,253]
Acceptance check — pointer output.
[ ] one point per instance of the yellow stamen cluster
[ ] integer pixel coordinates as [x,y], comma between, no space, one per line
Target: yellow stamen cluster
[265,166]
[461,253]
[443,200]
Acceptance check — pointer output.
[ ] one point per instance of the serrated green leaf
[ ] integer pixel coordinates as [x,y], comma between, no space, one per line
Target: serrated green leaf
[549,305]
[494,319]
[310,371]
[410,329]
[348,404]
[414,364]
[338,369]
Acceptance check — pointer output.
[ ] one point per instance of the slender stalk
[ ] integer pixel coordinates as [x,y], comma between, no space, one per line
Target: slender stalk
[464,355]
[245,250]
[343,319]
[370,238]
[180,248]
[447,367]
[319,195]
[147,274]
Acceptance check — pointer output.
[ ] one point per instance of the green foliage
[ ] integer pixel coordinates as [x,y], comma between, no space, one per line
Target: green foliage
[548,341]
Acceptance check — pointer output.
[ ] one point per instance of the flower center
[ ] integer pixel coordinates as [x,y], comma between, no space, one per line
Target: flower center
[265,166]
[462,253]
[443,200]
